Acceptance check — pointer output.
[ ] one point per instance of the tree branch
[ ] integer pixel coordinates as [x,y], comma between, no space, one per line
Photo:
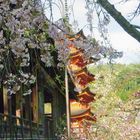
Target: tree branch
[136,26]
[130,29]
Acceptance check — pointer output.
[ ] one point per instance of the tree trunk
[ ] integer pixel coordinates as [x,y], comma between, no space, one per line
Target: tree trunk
[130,29]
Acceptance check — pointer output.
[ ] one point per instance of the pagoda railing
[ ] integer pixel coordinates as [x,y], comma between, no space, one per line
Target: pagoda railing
[16,128]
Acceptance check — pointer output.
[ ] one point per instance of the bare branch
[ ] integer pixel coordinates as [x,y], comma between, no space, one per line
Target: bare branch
[130,29]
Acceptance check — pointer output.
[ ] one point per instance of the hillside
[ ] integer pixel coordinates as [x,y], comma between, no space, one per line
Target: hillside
[124,80]
[117,102]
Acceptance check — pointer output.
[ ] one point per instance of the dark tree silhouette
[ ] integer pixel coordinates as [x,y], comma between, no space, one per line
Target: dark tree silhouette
[127,26]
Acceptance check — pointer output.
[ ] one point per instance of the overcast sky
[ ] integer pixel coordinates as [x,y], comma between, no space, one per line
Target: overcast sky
[119,39]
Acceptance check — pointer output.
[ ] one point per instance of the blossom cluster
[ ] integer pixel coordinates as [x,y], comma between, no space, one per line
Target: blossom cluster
[14,83]
[90,47]
[23,27]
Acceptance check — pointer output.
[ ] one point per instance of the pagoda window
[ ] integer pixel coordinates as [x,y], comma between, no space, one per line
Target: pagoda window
[48,108]
[13,104]
[48,104]
[1,101]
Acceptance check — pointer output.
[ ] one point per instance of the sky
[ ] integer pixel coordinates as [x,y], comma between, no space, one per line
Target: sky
[122,40]
[119,39]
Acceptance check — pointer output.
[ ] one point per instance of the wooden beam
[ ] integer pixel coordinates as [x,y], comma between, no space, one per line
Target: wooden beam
[67,104]
[35,103]
[5,99]
[49,81]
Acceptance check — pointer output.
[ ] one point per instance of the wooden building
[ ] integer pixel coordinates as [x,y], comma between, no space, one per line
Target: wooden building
[34,115]
[22,113]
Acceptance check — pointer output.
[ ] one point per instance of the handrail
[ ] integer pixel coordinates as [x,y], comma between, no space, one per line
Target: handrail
[10,128]
[13,116]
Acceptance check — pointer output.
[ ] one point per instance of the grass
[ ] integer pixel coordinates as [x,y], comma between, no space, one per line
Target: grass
[125,79]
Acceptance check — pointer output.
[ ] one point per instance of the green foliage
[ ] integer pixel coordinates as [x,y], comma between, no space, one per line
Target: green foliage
[123,80]
[116,107]
[127,81]
[7,33]
[61,127]
[60,81]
